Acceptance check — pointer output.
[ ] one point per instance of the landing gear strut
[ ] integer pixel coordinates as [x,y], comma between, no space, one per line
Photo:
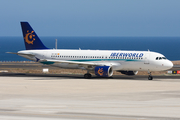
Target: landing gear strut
[87,75]
[150,76]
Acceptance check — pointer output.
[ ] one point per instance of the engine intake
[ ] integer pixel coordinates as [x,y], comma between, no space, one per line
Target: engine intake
[103,71]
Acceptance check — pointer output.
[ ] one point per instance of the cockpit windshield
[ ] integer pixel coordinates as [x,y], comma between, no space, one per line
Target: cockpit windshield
[161,58]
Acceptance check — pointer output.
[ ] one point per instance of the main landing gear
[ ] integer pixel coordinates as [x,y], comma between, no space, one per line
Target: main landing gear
[87,75]
[150,76]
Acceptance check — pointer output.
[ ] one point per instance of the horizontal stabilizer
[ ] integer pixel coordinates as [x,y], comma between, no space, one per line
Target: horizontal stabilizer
[30,55]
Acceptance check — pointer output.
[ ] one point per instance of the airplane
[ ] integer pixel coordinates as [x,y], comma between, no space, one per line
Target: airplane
[100,62]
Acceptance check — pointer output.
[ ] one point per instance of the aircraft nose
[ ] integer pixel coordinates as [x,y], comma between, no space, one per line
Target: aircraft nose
[169,65]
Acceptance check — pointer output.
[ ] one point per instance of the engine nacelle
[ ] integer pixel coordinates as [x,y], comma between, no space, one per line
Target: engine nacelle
[104,71]
[129,72]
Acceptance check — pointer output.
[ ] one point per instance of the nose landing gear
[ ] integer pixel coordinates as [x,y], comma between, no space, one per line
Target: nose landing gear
[150,76]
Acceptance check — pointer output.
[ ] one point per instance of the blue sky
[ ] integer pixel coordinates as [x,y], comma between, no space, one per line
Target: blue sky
[91,17]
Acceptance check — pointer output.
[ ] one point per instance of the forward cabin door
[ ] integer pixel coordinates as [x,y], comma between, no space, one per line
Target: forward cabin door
[146,58]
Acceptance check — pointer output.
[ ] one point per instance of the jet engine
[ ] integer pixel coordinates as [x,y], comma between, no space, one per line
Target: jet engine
[103,71]
[129,72]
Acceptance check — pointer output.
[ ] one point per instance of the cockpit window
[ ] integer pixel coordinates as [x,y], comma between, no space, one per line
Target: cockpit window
[161,58]
[164,58]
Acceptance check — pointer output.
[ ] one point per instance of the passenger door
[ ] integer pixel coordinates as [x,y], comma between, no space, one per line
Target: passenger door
[146,58]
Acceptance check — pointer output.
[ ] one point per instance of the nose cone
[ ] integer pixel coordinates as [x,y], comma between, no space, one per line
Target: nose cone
[169,65]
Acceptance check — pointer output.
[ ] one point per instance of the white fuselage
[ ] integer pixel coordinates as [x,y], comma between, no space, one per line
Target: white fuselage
[118,60]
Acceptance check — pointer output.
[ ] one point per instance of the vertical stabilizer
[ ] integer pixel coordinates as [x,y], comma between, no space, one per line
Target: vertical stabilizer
[31,40]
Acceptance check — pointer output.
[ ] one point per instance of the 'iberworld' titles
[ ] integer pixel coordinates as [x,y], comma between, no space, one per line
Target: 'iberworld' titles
[126,55]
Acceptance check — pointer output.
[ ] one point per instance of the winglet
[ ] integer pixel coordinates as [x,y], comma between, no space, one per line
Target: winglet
[31,40]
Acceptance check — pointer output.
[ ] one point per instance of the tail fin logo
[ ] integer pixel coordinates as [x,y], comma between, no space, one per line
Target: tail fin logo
[29,37]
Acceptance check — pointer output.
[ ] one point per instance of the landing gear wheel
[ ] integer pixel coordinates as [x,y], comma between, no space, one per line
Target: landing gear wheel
[150,78]
[87,75]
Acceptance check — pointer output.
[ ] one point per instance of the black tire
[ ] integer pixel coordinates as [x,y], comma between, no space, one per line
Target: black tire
[87,76]
[150,78]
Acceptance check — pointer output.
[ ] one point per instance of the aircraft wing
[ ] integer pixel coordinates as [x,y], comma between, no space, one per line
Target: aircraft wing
[71,62]
[86,65]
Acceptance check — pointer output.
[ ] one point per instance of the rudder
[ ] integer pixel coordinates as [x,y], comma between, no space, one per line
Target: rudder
[31,40]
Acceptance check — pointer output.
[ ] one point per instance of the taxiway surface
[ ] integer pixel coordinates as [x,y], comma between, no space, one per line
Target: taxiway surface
[43,97]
